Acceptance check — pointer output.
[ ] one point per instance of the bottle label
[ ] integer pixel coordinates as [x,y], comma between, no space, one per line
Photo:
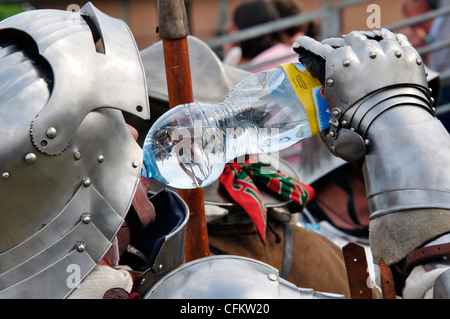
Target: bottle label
[308,90]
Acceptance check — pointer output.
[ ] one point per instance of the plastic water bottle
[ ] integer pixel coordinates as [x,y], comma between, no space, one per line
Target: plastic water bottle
[189,145]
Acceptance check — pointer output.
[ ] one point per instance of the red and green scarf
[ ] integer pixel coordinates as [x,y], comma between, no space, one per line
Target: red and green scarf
[241,181]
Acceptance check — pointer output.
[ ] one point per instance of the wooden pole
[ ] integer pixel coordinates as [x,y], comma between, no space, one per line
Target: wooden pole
[173,30]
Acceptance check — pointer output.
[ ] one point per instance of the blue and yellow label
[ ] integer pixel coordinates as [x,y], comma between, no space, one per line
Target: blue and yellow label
[308,90]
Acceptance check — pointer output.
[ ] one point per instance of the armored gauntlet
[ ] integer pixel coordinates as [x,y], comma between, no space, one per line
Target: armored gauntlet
[382,118]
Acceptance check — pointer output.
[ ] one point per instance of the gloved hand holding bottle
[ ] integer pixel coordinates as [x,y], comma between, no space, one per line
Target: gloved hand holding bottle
[383,120]
[188,146]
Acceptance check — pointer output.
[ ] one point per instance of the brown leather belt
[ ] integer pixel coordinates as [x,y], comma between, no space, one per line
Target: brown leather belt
[419,256]
[357,271]
[424,255]
[387,280]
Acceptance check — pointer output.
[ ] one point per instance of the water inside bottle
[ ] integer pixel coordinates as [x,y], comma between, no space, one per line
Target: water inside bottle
[188,146]
[190,157]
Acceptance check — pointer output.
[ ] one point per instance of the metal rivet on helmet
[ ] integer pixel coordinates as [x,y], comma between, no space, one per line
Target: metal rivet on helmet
[30,158]
[272,277]
[86,182]
[86,218]
[80,247]
[51,132]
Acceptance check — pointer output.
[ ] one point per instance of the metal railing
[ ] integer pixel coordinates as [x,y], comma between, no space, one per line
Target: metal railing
[329,16]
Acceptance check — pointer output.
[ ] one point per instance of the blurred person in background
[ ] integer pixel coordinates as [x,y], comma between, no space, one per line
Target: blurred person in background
[429,32]
[288,8]
[268,50]
[418,34]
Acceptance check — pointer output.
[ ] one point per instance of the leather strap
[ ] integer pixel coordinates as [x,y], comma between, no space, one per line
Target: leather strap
[232,230]
[387,280]
[287,253]
[216,251]
[357,271]
[425,254]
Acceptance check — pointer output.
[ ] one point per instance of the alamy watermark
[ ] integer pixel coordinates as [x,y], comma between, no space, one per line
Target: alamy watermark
[73,280]
[374,19]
